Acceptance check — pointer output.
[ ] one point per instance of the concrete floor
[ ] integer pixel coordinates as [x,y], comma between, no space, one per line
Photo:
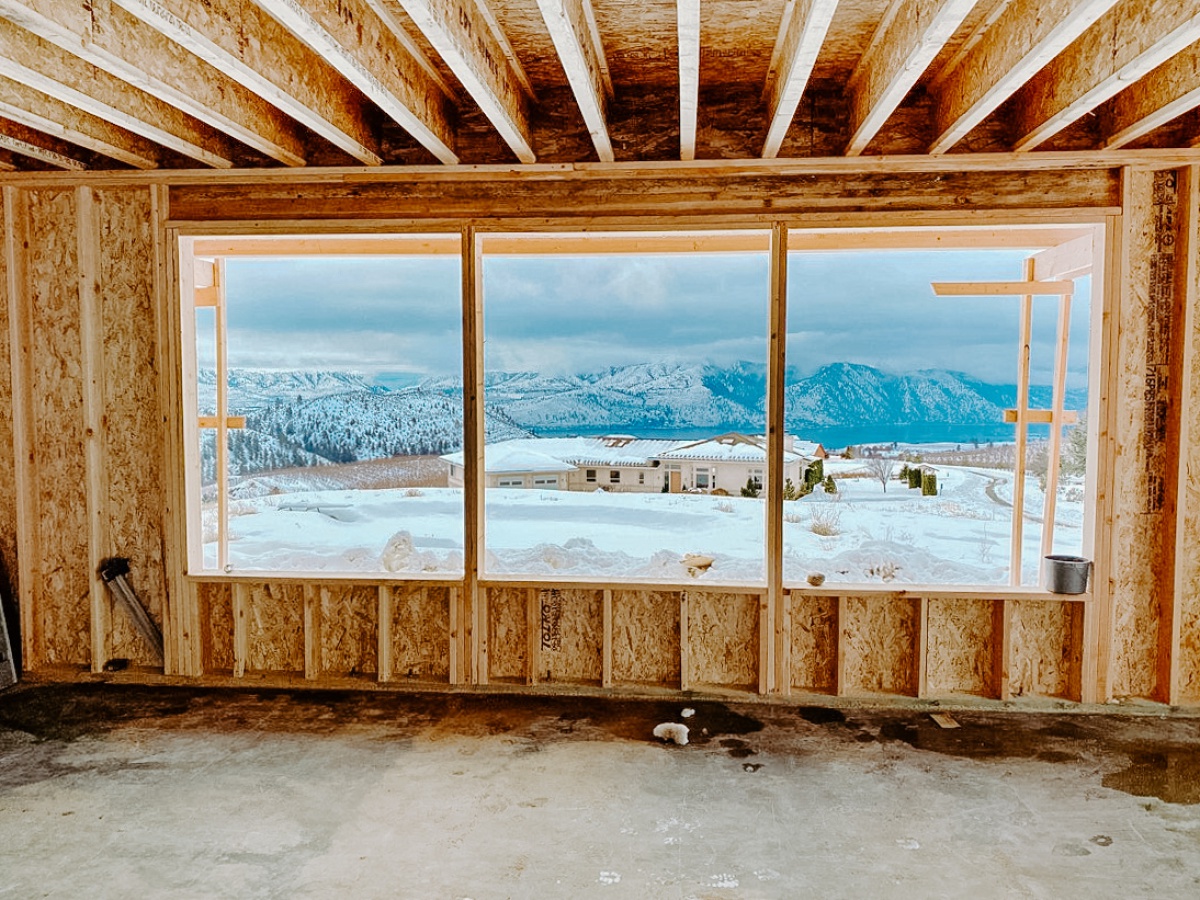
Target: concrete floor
[118,791]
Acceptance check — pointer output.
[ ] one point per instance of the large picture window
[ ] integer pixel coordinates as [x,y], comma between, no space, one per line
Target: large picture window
[934,429]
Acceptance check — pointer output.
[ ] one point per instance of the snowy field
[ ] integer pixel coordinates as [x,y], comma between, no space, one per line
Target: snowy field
[861,534]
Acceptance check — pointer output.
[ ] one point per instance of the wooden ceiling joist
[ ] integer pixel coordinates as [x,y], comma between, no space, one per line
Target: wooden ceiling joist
[806,30]
[360,45]
[688,28]
[1026,36]
[1130,40]
[910,37]
[460,33]
[25,141]
[1169,91]
[47,114]
[45,67]
[111,39]
[255,50]
[567,23]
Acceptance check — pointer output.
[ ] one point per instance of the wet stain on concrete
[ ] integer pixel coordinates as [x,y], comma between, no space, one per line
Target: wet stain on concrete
[738,748]
[821,715]
[1173,777]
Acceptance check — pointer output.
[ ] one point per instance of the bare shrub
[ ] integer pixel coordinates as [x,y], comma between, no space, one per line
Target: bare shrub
[724,506]
[825,520]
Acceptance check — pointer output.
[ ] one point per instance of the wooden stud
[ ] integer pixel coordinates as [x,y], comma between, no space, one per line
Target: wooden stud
[475,599]
[239,38]
[1024,347]
[1025,37]
[1002,649]
[921,657]
[685,663]
[353,39]
[314,596]
[772,637]
[52,116]
[901,51]
[111,39]
[687,16]
[383,631]
[1057,421]
[1169,91]
[533,635]
[1096,67]
[20,343]
[91,339]
[241,627]
[806,31]
[454,652]
[461,35]
[566,21]
[606,650]
[783,681]
[222,429]
[840,687]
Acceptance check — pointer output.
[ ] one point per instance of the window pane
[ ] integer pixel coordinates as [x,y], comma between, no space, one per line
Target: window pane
[347,371]
[896,399]
[634,386]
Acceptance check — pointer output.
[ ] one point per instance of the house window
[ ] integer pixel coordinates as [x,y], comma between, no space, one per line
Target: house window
[703,480]
[590,476]
[641,477]
[614,476]
[756,478]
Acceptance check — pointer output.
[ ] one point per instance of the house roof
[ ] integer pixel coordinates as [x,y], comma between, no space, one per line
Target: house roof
[730,447]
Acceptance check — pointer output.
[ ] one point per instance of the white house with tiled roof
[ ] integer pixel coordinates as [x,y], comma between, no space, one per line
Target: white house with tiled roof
[624,463]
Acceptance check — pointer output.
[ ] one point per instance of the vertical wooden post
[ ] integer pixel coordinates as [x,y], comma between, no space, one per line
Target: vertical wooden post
[20,335]
[1002,649]
[313,597]
[921,679]
[771,613]
[475,615]
[839,673]
[1056,415]
[533,634]
[222,448]
[1183,362]
[91,338]
[1099,529]
[454,652]
[684,657]
[1018,514]
[383,633]
[241,628]
[606,673]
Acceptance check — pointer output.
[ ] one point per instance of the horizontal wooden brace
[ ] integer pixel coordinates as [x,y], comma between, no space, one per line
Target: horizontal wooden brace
[1041,417]
[215,422]
[1003,288]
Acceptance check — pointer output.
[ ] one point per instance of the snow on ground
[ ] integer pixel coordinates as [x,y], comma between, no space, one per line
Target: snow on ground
[867,535]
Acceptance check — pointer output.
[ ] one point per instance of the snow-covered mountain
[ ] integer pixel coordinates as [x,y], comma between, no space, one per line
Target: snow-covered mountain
[311,418]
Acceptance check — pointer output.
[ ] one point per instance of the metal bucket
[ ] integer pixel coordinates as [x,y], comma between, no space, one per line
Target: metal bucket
[1067,574]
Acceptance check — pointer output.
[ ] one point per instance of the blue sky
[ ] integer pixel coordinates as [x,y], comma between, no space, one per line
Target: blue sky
[399,318]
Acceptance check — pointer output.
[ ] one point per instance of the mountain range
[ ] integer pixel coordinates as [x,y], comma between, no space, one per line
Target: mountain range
[311,418]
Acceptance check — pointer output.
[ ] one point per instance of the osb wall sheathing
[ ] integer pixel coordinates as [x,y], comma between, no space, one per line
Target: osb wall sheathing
[508,634]
[1142,405]
[814,630]
[1189,500]
[215,602]
[571,635]
[879,645]
[275,628]
[959,654]
[1045,650]
[349,640]
[645,640]
[722,633]
[421,633]
[60,595]
[133,464]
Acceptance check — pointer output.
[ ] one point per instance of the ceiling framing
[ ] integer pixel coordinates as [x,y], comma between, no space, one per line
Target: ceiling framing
[172,84]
